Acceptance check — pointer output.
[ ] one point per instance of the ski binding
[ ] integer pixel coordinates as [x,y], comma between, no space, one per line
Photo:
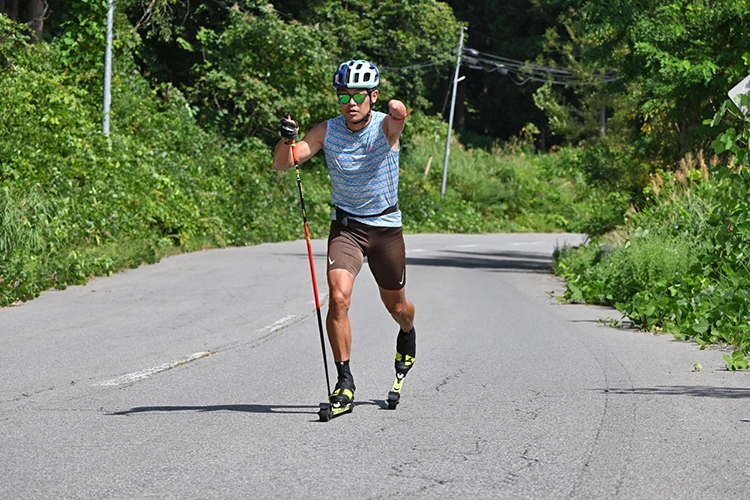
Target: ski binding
[394,396]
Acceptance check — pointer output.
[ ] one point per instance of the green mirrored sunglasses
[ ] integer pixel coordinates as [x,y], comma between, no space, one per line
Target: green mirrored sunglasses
[358,98]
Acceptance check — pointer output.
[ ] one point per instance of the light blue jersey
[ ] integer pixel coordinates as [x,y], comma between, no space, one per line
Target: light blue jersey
[364,170]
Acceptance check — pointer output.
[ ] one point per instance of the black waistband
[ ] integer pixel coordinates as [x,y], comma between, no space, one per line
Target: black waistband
[342,216]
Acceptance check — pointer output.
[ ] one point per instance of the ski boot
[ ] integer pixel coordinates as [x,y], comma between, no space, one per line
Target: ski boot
[406,351]
[342,398]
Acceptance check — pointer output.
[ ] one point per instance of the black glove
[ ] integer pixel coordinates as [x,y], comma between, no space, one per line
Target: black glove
[289,128]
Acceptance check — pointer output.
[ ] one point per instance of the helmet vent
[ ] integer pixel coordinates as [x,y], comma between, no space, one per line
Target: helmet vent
[356,74]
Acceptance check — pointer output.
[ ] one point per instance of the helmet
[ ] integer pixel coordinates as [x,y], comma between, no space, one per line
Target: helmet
[356,74]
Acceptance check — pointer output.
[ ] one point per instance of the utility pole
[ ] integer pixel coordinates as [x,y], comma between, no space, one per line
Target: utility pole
[453,109]
[108,67]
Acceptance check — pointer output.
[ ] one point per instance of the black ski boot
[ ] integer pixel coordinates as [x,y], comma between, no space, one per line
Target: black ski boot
[343,395]
[342,398]
[406,352]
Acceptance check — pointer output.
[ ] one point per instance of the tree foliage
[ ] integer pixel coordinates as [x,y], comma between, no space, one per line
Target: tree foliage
[258,67]
[247,63]
[411,41]
[675,62]
[681,266]
[493,105]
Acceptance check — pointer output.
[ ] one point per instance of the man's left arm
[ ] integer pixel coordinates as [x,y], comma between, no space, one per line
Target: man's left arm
[394,124]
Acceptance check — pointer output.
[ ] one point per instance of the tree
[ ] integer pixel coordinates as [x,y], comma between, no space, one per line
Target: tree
[413,42]
[496,105]
[9,8]
[675,61]
[244,64]
[32,12]
[257,68]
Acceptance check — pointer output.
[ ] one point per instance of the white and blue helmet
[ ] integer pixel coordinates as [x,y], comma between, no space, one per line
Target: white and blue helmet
[356,74]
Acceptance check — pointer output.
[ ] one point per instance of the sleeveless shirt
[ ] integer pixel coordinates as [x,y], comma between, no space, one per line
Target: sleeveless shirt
[364,170]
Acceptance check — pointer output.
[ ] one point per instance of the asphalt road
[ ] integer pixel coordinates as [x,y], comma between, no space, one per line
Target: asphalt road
[200,377]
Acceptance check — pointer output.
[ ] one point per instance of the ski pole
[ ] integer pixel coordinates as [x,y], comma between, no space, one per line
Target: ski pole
[312,263]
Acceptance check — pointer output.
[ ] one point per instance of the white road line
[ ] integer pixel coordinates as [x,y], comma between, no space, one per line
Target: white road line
[277,325]
[150,372]
[525,243]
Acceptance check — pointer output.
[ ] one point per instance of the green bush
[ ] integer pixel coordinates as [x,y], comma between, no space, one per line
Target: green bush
[609,275]
[506,188]
[75,203]
[683,268]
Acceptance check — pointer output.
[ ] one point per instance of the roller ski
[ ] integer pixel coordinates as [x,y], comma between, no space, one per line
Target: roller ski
[406,351]
[342,399]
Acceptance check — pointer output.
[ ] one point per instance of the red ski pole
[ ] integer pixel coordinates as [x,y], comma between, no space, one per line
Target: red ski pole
[312,264]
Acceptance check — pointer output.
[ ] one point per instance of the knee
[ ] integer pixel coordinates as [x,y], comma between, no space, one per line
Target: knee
[339,302]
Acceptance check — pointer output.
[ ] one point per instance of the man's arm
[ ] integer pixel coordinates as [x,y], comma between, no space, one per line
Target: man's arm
[393,126]
[306,148]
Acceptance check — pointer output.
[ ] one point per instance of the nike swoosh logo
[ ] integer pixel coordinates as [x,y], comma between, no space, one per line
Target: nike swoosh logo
[403,275]
[331,261]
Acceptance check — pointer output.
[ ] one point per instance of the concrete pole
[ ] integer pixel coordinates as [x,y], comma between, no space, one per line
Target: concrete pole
[453,109]
[108,67]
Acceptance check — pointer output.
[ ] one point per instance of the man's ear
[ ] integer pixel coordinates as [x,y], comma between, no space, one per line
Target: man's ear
[374,95]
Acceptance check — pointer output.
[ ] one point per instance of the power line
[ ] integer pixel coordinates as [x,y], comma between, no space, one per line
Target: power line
[475,59]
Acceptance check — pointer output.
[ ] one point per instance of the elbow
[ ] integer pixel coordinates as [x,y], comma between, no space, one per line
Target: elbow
[280,163]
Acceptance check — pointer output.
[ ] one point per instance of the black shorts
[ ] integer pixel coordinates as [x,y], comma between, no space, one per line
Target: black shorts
[383,246]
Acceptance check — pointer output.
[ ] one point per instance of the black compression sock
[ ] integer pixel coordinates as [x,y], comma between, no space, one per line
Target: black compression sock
[406,342]
[342,368]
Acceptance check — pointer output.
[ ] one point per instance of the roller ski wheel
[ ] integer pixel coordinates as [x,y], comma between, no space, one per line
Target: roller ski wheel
[325,413]
[393,398]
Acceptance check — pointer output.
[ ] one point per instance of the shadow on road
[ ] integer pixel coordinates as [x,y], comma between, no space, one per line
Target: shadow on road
[679,390]
[249,408]
[497,261]
[211,408]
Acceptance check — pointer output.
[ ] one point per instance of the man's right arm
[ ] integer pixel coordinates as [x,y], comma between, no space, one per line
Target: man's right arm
[306,148]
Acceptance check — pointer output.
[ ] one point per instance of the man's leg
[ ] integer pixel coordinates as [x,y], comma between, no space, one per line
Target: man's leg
[388,264]
[345,258]
[340,286]
[387,260]
[401,309]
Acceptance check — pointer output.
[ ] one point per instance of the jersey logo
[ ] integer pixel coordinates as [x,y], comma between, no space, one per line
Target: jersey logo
[331,261]
[403,275]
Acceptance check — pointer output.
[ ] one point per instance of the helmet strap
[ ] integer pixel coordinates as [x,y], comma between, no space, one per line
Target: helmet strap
[363,120]
[369,113]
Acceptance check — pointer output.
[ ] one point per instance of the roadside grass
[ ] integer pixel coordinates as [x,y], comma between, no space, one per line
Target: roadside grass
[680,265]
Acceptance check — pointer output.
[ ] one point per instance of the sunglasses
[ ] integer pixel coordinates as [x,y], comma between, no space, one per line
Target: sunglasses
[358,98]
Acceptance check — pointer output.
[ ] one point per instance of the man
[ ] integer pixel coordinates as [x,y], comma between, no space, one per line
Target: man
[361,147]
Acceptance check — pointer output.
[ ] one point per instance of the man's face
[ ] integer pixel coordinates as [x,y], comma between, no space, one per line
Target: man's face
[353,110]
